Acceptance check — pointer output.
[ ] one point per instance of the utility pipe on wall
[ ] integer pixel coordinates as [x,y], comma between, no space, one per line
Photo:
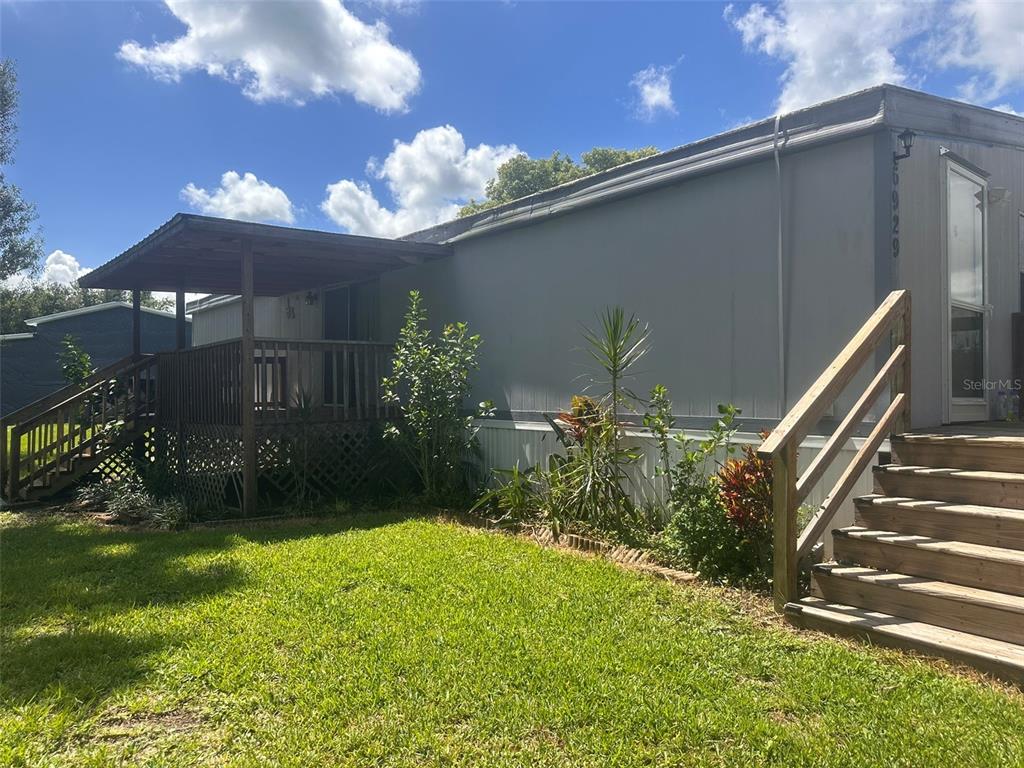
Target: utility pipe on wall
[780,271]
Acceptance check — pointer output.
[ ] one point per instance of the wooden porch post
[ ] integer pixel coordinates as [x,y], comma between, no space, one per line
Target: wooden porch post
[179,383]
[785,581]
[248,398]
[179,317]
[136,322]
[139,446]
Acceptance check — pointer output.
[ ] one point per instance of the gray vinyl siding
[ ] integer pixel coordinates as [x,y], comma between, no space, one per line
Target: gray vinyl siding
[696,260]
[921,263]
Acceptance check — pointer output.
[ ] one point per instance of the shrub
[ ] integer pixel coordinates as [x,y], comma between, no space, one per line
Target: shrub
[515,499]
[746,488]
[429,385]
[128,500]
[590,487]
[75,363]
[721,524]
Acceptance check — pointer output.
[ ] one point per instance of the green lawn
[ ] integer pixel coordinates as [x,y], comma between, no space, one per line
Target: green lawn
[390,640]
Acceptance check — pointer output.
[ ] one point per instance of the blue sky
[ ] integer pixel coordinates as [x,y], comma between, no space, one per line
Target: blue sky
[382,117]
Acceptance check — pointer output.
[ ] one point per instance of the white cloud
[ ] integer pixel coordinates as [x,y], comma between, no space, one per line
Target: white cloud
[829,48]
[61,267]
[833,48]
[241,197]
[987,37]
[428,178]
[1009,109]
[654,91]
[284,51]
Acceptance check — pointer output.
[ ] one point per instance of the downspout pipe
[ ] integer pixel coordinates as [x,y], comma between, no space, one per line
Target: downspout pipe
[780,264]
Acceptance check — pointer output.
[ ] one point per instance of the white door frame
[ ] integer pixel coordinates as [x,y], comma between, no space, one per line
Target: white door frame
[962,409]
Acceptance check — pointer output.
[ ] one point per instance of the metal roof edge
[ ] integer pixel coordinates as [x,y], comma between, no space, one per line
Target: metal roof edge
[43,319]
[210,302]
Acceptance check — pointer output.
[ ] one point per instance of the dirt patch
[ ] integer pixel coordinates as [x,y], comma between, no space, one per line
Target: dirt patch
[118,726]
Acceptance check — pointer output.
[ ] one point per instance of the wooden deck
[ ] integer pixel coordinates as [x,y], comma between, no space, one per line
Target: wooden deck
[1013,430]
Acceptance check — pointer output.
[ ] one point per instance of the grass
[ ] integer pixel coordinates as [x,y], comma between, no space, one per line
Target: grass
[393,640]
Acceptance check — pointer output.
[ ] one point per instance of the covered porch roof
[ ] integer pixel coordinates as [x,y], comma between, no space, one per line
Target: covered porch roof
[202,254]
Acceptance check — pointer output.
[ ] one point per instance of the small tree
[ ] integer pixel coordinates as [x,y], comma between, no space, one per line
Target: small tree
[429,384]
[21,246]
[75,362]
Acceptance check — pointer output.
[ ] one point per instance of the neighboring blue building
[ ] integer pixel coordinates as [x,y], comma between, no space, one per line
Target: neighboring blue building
[29,368]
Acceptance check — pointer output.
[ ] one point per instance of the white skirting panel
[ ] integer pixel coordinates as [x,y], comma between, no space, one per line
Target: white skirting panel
[506,443]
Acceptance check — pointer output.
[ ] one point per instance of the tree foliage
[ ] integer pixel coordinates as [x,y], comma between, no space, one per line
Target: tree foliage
[20,245]
[75,362]
[26,300]
[521,175]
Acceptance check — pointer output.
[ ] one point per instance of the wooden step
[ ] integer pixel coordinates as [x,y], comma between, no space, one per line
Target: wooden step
[961,486]
[957,562]
[964,450]
[992,526]
[997,657]
[966,609]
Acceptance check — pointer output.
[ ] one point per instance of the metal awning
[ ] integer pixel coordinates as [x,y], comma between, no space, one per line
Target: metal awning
[202,254]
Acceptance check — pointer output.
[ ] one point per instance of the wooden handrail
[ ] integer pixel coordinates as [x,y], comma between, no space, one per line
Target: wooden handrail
[833,380]
[86,392]
[789,488]
[849,425]
[816,527]
[62,394]
[74,421]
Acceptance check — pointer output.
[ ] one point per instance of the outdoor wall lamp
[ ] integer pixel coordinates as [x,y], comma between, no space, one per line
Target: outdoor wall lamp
[906,141]
[311,298]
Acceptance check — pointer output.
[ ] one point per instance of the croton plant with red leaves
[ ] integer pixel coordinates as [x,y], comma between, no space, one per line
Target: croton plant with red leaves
[745,486]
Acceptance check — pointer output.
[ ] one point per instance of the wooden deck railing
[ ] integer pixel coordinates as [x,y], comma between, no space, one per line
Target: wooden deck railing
[317,380]
[323,380]
[201,385]
[789,488]
[49,436]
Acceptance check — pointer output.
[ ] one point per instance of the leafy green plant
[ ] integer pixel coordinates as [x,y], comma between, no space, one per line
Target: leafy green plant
[660,421]
[514,500]
[75,363]
[429,384]
[590,485]
[721,524]
[128,500]
[617,345]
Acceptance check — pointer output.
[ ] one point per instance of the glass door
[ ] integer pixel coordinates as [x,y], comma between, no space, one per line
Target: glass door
[967,318]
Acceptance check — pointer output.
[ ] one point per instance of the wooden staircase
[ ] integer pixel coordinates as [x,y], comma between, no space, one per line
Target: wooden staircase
[935,562]
[56,441]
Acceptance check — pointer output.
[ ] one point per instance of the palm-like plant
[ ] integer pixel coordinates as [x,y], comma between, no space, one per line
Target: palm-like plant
[617,345]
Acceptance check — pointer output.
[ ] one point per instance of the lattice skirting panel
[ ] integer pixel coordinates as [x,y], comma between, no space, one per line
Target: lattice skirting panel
[124,460]
[295,462]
